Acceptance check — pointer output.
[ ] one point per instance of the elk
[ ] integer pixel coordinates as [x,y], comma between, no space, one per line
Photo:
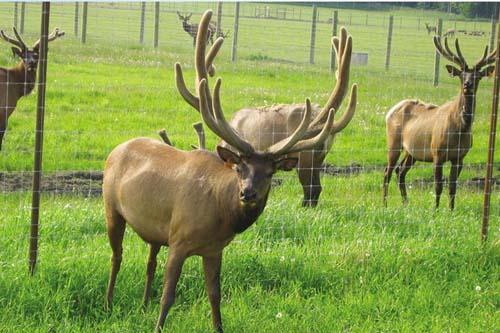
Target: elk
[19,80]
[193,202]
[264,126]
[430,28]
[449,33]
[432,133]
[192,28]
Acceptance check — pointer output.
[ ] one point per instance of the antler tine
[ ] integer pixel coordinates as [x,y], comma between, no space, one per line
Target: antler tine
[184,91]
[198,127]
[318,139]
[218,124]
[201,38]
[486,59]
[212,53]
[459,53]
[12,40]
[231,136]
[54,35]
[446,52]
[19,38]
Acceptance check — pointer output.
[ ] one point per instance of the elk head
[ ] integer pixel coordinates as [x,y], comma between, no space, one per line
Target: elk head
[29,56]
[469,76]
[184,18]
[254,168]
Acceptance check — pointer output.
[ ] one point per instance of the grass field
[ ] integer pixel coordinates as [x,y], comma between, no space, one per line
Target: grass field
[347,266]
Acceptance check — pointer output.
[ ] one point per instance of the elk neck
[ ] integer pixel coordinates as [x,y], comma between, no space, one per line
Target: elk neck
[465,106]
[233,213]
[23,79]
[187,27]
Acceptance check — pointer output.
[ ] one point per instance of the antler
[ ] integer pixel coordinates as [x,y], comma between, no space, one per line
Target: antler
[486,59]
[19,42]
[198,127]
[446,52]
[54,35]
[203,64]
[343,50]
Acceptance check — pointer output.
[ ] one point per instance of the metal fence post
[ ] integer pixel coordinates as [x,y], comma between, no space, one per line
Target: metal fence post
[335,18]
[23,9]
[313,34]
[37,169]
[77,15]
[235,35]
[219,19]
[389,42]
[439,31]
[157,23]
[84,22]
[143,17]
[491,145]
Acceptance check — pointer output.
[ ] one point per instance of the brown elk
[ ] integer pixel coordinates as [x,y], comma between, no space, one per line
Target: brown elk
[432,133]
[18,81]
[430,28]
[264,126]
[192,28]
[193,202]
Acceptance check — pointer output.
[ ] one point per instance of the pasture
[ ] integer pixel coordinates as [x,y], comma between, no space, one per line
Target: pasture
[348,265]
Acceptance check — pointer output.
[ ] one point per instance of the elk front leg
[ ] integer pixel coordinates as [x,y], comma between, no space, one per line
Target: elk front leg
[116,230]
[404,167]
[311,185]
[212,268]
[3,126]
[438,180]
[172,273]
[150,271]
[456,168]
[392,159]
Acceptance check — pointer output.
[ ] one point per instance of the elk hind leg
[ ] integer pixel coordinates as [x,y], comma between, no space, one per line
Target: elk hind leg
[212,268]
[173,271]
[116,230]
[438,180]
[150,271]
[404,167]
[392,160]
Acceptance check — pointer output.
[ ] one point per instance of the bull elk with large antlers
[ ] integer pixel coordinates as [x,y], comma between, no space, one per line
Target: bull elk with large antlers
[194,202]
[18,81]
[432,133]
[265,126]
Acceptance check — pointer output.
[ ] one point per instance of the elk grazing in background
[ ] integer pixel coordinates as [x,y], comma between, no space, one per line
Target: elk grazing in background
[264,126]
[449,33]
[194,202]
[18,81]
[432,133]
[430,28]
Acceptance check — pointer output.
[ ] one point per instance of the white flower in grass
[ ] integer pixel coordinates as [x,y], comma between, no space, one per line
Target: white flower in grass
[282,258]
[478,288]
[279,315]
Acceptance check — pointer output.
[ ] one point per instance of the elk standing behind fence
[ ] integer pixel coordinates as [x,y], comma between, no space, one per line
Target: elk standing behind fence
[430,28]
[437,134]
[194,202]
[264,126]
[192,28]
[18,81]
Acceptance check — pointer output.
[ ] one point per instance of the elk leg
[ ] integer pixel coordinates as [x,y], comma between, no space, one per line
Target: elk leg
[212,268]
[438,181]
[456,168]
[311,185]
[150,271]
[172,273]
[3,126]
[405,166]
[392,158]
[116,230]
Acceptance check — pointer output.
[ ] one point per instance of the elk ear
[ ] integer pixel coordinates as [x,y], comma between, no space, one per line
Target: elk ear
[17,52]
[488,71]
[286,164]
[228,156]
[453,70]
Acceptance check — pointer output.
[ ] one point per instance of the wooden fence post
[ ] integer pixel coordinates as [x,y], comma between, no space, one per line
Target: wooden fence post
[157,24]
[491,145]
[418,24]
[219,19]
[313,34]
[77,8]
[235,34]
[15,13]
[389,42]
[437,56]
[335,18]
[494,20]
[23,9]
[84,22]
[143,17]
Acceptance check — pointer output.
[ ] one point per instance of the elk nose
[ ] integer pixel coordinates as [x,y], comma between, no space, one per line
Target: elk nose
[467,84]
[248,195]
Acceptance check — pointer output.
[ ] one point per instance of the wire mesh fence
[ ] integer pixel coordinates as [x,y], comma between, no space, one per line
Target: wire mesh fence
[108,82]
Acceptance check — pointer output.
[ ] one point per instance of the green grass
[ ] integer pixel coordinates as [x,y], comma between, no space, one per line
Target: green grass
[348,265]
